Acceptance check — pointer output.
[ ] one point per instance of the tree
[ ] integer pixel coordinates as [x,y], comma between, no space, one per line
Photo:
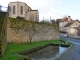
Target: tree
[31,31]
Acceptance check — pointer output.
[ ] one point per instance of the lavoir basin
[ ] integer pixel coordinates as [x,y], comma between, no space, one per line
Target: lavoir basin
[46,52]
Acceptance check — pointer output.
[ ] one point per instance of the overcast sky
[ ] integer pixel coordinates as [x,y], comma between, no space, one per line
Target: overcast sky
[54,8]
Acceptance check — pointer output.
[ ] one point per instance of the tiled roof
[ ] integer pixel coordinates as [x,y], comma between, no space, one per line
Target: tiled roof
[33,10]
[53,21]
[64,19]
[58,20]
[68,24]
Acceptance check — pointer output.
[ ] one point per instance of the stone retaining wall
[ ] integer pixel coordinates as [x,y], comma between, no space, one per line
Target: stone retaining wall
[24,31]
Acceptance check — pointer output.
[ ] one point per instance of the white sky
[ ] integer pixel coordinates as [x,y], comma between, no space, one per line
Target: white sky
[46,7]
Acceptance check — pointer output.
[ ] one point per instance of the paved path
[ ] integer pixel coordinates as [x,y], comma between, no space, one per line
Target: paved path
[73,53]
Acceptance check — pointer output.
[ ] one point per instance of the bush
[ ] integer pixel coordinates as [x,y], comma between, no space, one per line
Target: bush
[21,18]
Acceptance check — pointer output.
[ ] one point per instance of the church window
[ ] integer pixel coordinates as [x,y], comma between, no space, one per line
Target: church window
[13,9]
[21,9]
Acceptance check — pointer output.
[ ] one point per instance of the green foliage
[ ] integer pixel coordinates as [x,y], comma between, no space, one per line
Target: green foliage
[14,48]
[21,24]
[3,34]
[66,42]
[1,23]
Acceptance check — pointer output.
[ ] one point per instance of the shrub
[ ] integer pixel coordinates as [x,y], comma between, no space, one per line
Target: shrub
[21,18]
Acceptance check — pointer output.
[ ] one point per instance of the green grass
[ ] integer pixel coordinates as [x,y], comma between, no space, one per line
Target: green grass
[13,48]
[66,42]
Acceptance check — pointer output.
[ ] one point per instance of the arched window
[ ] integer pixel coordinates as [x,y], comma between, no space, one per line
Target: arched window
[13,9]
[21,10]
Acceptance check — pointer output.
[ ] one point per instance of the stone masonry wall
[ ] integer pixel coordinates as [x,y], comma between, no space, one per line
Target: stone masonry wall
[21,31]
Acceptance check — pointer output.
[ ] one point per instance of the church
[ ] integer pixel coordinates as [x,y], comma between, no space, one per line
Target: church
[21,9]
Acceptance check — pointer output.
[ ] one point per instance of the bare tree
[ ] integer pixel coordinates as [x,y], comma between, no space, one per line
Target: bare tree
[31,32]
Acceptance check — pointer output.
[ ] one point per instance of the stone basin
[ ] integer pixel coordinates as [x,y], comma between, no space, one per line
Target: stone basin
[45,52]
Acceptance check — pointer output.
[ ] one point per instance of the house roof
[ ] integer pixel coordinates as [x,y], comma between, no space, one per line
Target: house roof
[64,19]
[70,23]
[33,10]
[17,2]
[53,21]
[20,2]
[77,20]
[30,7]
[58,20]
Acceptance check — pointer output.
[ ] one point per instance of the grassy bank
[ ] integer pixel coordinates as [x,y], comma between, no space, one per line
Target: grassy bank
[13,48]
[1,23]
[3,41]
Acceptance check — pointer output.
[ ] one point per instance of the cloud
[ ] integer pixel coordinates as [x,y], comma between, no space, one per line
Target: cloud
[50,9]
[52,12]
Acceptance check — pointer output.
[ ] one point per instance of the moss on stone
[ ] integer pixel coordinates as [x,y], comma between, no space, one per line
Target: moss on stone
[1,23]
[3,34]
[21,24]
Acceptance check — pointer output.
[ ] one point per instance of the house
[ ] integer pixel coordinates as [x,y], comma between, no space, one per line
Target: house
[63,22]
[72,32]
[71,27]
[21,9]
[53,21]
[78,30]
[58,21]
[74,23]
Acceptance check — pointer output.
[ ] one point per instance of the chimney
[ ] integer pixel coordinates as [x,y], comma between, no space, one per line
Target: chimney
[69,18]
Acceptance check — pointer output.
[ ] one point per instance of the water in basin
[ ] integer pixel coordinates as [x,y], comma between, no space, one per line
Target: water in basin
[51,56]
[50,52]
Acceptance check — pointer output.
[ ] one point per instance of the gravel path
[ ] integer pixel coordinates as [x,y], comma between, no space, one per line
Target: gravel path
[73,53]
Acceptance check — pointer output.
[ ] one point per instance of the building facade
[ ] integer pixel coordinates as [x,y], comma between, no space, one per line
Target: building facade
[72,28]
[21,9]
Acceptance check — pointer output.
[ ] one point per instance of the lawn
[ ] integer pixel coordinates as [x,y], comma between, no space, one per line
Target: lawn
[13,48]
